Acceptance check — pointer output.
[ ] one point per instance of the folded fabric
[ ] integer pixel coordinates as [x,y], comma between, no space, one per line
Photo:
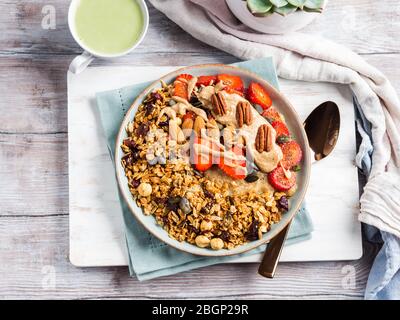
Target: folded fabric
[148,257]
[305,57]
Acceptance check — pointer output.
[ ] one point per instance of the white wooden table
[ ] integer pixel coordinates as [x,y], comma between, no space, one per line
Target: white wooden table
[33,160]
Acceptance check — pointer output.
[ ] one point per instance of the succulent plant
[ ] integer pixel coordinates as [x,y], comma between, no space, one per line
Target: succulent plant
[283,7]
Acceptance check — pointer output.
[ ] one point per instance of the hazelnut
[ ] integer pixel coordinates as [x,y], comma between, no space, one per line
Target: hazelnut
[206,225]
[202,241]
[145,189]
[216,244]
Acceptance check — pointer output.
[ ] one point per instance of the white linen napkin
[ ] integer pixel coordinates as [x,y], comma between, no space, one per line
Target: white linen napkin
[304,57]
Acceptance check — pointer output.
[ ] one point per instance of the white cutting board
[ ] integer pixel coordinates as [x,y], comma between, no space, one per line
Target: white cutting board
[96,226]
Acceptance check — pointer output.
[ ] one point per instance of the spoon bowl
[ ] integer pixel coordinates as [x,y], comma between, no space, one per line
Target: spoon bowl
[322,127]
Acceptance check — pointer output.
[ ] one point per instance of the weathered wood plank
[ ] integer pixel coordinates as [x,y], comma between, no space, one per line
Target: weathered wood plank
[37,94]
[34,175]
[28,245]
[360,24]
[33,89]
[33,95]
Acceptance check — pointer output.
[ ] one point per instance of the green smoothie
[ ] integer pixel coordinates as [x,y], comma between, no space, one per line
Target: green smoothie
[109,26]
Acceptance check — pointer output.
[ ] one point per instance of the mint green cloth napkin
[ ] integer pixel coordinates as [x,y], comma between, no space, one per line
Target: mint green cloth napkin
[148,257]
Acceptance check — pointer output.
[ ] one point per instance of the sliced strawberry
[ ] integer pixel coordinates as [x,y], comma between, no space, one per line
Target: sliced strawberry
[280,128]
[292,154]
[279,181]
[202,162]
[257,94]
[184,76]
[234,169]
[181,90]
[206,80]
[181,86]
[232,91]
[189,115]
[233,82]
[271,114]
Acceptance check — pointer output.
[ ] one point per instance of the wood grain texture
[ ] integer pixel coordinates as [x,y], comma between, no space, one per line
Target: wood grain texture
[33,158]
[31,244]
[351,23]
[34,175]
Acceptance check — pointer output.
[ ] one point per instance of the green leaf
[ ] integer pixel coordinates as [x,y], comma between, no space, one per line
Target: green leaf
[279,3]
[296,168]
[312,10]
[265,14]
[259,6]
[314,4]
[284,11]
[283,139]
[297,3]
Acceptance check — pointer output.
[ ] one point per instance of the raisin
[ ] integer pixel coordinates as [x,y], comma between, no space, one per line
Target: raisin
[128,159]
[193,229]
[228,219]
[252,232]
[156,96]
[161,201]
[252,177]
[208,194]
[164,123]
[135,183]
[173,203]
[143,129]
[130,144]
[283,203]
[136,155]
[165,220]
[149,108]
[207,208]
[224,235]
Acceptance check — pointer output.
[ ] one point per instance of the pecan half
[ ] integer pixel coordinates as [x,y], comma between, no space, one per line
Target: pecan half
[219,104]
[264,138]
[243,113]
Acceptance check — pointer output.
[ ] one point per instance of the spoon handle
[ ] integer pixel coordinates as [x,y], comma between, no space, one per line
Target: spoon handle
[272,254]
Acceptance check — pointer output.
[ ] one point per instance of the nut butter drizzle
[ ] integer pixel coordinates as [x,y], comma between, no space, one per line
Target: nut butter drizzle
[248,121]
[236,112]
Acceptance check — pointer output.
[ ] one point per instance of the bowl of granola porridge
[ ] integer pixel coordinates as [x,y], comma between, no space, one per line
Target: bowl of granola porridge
[212,160]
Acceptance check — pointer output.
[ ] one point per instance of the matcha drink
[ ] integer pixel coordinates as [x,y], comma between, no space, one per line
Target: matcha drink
[109,26]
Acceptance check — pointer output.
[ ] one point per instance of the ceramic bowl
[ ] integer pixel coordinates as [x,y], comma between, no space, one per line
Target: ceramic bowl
[272,24]
[293,122]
